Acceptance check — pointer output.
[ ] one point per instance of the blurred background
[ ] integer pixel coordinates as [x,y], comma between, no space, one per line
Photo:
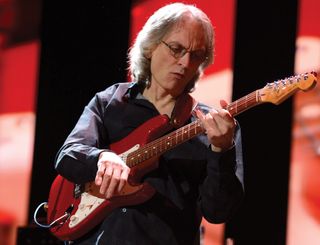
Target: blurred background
[55,55]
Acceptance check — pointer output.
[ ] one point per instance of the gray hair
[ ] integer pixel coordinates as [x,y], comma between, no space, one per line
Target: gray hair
[156,27]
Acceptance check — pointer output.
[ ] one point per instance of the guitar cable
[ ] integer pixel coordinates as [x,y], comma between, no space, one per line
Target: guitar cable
[65,216]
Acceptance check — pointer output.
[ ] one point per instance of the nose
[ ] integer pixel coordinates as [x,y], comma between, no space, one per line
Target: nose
[185,60]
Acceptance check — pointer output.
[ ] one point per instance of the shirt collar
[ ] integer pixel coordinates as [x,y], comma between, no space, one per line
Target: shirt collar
[134,90]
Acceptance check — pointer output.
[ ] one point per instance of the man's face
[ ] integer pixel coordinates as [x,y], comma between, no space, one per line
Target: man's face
[175,61]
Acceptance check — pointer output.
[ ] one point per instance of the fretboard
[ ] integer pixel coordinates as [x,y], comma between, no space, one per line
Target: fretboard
[164,143]
[244,103]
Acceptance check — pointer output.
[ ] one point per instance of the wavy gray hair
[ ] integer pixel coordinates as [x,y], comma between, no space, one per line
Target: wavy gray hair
[152,33]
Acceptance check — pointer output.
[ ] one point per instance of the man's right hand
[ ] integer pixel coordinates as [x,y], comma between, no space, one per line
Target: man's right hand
[112,174]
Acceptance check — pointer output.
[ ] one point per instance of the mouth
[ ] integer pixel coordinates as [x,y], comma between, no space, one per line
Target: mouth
[178,75]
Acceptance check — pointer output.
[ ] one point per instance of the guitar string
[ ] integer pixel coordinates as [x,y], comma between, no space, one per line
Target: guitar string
[138,154]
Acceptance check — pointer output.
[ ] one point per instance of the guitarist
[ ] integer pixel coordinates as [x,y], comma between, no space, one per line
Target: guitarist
[202,177]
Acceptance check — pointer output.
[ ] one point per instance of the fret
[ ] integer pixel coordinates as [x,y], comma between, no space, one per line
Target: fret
[176,136]
[168,144]
[146,152]
[243,103]
[246,102]
[179,135]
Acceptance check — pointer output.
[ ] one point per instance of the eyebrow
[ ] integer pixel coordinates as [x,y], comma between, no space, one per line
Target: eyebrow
[178,43]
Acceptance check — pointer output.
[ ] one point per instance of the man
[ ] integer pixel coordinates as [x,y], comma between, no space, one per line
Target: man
[202,177]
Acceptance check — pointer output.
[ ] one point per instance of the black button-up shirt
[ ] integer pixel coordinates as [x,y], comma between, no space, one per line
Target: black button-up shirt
[191,180]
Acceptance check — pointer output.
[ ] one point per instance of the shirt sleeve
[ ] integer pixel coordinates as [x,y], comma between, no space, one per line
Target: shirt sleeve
[222,189]
[77,158]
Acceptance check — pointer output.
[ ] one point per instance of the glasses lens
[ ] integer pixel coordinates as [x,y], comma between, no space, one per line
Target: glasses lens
[177,50]
[198,55]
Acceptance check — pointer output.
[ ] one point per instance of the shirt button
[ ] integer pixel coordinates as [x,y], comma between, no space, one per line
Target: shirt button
[124,210]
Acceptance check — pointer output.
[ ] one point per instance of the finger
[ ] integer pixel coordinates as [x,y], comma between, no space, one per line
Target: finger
[100,173]
[223,119]
[200,114]
[106,179]
[202,118]
[113,182]
[223,127]
[211,118]
[225,115]
[211,127]
[123,178]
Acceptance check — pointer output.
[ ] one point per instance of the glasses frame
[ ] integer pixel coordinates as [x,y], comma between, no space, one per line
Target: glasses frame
[180,54]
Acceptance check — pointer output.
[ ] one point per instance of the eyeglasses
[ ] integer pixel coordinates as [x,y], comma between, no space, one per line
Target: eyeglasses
[178,51]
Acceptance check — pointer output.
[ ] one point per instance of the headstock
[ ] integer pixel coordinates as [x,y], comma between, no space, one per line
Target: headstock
[280,90]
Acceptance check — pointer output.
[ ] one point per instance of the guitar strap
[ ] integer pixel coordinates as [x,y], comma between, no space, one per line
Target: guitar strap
[182,110]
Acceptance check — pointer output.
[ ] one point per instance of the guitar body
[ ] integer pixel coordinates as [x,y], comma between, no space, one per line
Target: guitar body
[86,207]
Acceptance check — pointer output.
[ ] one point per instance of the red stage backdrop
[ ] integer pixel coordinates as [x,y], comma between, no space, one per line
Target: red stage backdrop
[304,191]
[19,49]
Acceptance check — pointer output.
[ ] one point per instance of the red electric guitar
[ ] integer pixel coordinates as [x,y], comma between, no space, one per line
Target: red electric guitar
[73,210]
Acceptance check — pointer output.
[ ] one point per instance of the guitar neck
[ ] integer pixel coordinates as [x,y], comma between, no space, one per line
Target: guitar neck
[164,143]
[244,103]
[185,133]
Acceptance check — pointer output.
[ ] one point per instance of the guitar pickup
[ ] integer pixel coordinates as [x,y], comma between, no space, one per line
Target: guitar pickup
[78,190]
